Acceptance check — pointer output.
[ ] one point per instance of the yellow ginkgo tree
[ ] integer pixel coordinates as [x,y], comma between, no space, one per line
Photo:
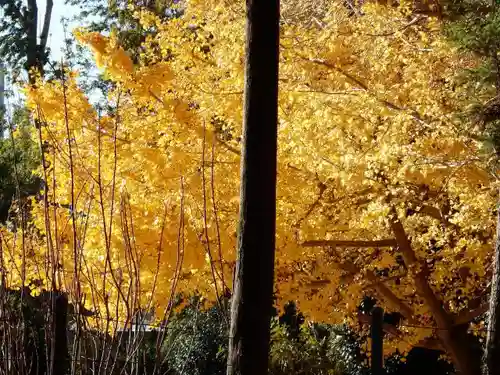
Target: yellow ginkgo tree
[381,189]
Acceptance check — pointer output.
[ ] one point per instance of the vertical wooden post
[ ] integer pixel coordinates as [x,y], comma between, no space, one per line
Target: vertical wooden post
[252,298]
[492,347]
[61,356]
[377,336]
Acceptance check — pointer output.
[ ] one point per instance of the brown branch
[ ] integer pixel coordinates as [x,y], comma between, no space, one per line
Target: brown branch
[228,147]
[428,343]
[312,91]
[411,23]
[377,243]
[356,195]
[390,297]
[46,25]
[347,266]
[433,212]
[467,315]
[431,343]
[455,348]
[420,277]
[319,283]
[380,288]
[30,27]
[388,328]
[322,188]
[364,87]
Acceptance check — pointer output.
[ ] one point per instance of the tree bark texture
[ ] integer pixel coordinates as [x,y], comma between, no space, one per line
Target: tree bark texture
[492,352]
[36,51]
[31,32]
[252,298]
[452,337]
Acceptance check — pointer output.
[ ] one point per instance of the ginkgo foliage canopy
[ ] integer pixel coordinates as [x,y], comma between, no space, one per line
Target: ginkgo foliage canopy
[141,201]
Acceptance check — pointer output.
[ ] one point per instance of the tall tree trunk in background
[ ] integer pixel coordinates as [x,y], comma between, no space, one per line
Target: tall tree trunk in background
[252,298]
[491,359]
[492,351]
[36,51]
[31,33]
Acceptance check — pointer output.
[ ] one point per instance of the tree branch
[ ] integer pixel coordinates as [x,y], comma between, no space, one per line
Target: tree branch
[380,288]
[31,20]
[420,276]
[364,87]
[433,212]
[467,315]
[388,328]
[431,343]
[46,25]
[390,297]
[322,188]
[428,343]
[455,348]
[228,147]
[377,243]
[411,23]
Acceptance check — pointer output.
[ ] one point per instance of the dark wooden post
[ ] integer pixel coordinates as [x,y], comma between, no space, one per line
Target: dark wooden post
[60,356]
[492,347]
[252,297]
[377,336]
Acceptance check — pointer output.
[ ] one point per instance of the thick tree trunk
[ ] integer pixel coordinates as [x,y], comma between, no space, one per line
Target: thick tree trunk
[32,35]
[492,352]
[453,341]
[253,285]
[36,51]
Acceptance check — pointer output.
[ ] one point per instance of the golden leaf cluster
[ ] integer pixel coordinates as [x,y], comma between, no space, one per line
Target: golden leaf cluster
[367,122]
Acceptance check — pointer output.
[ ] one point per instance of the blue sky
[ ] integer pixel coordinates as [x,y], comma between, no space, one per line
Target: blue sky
[56,36]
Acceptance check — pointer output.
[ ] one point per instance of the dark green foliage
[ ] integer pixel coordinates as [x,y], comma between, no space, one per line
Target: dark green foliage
[196,343]
[475,27]
[18,158]
[478,32]
[28,325]
[196,340]
[474,32]
[292,319]
[318,349]
[21,46]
